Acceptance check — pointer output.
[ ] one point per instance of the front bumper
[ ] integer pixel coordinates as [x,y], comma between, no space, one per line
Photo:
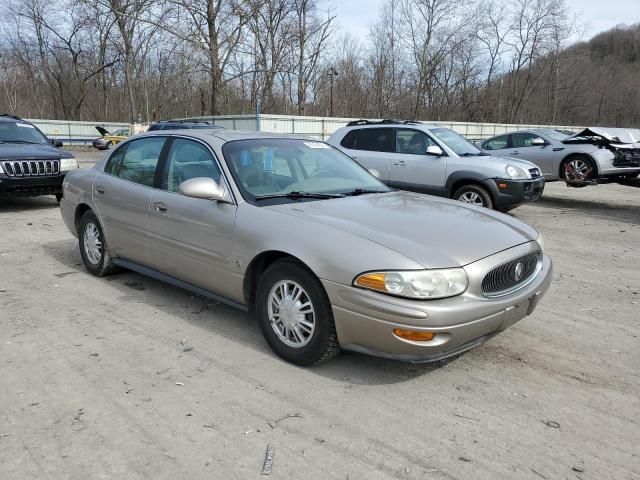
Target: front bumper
[511,193]
[31,186]
[365,320]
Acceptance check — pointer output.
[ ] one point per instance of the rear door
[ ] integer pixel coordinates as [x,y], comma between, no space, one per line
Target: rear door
[191,239]
[122,194]
[372,148]
[411,168]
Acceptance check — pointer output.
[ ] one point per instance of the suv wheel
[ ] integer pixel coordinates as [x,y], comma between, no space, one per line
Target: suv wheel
[474,194]
[93,248]
[295,315]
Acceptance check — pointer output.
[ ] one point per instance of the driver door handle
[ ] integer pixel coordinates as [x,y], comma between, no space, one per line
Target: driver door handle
[100,190]
[400,163]
[515,152]
[160,207]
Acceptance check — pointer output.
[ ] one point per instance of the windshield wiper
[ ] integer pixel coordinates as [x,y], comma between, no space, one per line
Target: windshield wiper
[296,195]
[361,191]
[22,141]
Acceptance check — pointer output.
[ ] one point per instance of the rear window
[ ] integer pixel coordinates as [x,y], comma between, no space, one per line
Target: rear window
[370,139]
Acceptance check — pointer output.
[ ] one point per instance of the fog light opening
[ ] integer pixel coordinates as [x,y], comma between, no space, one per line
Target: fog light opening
[414,335]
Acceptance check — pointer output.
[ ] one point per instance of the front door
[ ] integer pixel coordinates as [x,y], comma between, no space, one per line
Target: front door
[122,194]
[540,155]
[191,239]
[412,169]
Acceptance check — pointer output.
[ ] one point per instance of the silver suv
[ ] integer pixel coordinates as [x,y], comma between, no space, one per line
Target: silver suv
[436,160]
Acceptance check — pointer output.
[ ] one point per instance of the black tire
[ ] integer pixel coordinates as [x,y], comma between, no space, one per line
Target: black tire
[566,164]
[475,191]
[103,266]
[108,145]
[322,344]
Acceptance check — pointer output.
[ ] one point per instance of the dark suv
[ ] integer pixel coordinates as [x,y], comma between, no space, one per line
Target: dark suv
[180,125]
[30,163]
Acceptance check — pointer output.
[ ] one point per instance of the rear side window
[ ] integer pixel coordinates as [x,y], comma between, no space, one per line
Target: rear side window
[497,143]
[140,160]
[370,139]
[115,160]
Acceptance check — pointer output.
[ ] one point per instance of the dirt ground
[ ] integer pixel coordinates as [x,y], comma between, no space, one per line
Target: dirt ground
[127,378]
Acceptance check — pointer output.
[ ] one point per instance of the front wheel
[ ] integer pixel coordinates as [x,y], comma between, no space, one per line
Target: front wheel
[295,315]
[474,194]
[578,169]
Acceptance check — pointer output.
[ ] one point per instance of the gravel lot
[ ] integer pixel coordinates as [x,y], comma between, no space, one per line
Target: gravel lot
[126,378]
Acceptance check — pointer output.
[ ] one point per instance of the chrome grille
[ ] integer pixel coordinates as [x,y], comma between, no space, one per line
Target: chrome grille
[30,168]
[511,276]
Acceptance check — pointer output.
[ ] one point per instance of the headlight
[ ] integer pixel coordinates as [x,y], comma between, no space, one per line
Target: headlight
[516,173]
[67,164]
[1,171]
[419,284]
[540,241]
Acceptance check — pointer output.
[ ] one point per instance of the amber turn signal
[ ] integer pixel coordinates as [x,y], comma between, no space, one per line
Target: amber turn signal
[412,335]
[374,281]
[502,185]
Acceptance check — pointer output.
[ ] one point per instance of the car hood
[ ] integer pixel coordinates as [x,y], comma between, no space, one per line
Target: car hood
[502,162]
[615,137]
[24,151]
[434,232]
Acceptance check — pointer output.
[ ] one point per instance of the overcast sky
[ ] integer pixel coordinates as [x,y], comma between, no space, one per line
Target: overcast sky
[355,16]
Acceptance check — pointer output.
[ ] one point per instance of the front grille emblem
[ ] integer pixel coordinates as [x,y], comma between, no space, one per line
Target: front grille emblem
[517,271]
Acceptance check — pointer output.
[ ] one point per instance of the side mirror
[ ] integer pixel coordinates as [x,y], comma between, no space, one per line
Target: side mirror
[538,142]
[434,150]
[205,188]
[374,172]
[56,143]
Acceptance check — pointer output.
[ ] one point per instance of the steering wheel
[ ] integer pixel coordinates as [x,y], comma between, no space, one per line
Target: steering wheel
[321,174]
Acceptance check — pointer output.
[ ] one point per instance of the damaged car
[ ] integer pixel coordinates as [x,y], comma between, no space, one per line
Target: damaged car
[580,158]
[107,140]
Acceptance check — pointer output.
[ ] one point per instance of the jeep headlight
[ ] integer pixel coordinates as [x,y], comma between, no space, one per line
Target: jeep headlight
[67,164]
[516,173]
[416,284]
[1,170]
[540,241]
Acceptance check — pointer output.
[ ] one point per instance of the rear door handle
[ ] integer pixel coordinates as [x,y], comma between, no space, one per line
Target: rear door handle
[400,163]
[515,152]
[99,190]
[160,207]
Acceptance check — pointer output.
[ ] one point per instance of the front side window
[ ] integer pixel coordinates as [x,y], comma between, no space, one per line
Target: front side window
[413,142]
[140,159]
[497,143]
[187,159]
[370,139]
[280,166]
[460,145]
[524,139]
[21,132]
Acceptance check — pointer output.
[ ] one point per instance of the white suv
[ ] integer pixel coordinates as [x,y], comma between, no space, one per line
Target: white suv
[436,160]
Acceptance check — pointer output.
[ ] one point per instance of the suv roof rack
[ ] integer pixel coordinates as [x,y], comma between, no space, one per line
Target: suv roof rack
[206,122]
[386,121]
[10,116]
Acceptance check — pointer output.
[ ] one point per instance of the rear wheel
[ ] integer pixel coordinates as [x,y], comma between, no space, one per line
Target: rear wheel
[93,247]
[109,144]
[295,315]
[473,194]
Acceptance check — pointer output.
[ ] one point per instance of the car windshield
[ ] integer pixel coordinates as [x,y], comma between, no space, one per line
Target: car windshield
[460,145]
[19,132]
[552,133]
[294,169]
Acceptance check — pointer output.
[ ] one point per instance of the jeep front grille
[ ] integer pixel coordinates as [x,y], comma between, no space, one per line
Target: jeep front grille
[511,276]
[31,168]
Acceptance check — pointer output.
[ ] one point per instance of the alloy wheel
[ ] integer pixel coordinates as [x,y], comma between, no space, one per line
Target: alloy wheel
[92,243]
[291,313]
[471,197]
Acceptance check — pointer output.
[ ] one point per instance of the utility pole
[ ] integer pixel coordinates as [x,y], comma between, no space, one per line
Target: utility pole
[332,73]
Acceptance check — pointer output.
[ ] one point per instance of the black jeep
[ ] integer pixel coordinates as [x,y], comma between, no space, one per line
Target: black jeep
[30,163]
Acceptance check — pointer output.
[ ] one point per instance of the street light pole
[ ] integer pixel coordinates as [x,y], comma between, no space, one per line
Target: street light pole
[332,73]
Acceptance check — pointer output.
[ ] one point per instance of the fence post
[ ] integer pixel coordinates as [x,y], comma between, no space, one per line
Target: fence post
[69,131]
[322,133]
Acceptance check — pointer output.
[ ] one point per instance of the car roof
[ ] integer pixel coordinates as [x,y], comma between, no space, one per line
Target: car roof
[6,117]
[224,135]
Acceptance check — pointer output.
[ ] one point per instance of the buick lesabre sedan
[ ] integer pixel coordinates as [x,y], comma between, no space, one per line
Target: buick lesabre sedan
[325,254]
